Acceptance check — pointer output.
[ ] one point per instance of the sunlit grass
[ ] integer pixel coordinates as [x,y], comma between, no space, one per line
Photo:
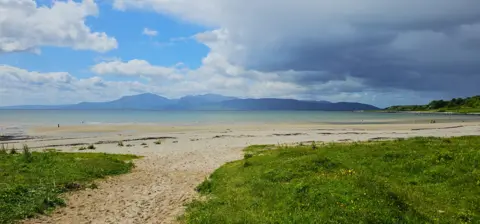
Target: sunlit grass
[31,182]
[418,180]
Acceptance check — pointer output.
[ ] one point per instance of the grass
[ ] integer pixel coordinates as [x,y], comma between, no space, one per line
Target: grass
[418,180]
[3,149]
[27,155]
[31,182]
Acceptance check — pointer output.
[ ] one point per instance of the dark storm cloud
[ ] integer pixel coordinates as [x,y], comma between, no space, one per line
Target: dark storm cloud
[423,60]
[424,46]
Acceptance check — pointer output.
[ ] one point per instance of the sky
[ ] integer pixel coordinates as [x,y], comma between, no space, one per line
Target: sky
[370,51]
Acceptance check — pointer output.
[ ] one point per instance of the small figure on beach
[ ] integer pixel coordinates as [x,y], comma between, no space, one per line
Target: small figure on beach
[58,125]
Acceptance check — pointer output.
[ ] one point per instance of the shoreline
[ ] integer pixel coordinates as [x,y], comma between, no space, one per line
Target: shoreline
[39,137]
[25,129]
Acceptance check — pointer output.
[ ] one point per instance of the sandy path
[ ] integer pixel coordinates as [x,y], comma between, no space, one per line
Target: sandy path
[153,193]
[164,180]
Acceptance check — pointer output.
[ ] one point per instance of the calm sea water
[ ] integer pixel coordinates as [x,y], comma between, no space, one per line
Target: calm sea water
[9,118]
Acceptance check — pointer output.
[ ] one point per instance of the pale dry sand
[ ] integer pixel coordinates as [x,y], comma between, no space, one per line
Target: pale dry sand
[164,180]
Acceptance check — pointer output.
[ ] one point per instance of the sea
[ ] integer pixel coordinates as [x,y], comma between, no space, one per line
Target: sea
[25,118]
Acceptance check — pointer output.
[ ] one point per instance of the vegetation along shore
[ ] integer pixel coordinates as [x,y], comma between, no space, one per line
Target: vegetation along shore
[469,105]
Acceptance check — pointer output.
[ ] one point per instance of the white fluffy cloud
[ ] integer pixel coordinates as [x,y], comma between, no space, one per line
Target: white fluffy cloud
[149,32]
[424,46]
[19,86]
[135,68]
[24,26]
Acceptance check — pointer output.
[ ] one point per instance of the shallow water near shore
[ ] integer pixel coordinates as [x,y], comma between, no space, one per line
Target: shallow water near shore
[16,118]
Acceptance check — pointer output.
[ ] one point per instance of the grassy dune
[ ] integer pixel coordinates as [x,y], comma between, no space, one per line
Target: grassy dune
[30,183]
[418,180]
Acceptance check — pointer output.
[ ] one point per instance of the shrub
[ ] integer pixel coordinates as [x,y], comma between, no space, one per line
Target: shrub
[13,150]
[158,142]
[3,150]
[91,146]
[27,155]
[205,187]
[143,143]
[247,163]
[120,143]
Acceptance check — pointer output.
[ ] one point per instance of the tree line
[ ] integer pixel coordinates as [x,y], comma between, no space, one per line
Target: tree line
[469,104]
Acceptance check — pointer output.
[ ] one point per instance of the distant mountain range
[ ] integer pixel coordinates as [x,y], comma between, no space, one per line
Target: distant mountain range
[148,101]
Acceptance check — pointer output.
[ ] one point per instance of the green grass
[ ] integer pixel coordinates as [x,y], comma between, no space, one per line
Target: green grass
[31,182]
[418,180]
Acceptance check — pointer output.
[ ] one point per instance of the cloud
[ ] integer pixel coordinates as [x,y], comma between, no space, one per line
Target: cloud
[24,26]
[173,41]
[217,75]
[19,86]
[149,32]
[425,47]
[135,68]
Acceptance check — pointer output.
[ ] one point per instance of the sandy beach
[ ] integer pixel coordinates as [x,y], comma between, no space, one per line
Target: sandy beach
[165,178]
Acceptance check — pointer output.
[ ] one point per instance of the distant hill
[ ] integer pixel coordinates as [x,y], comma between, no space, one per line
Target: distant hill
[289,104]
[207,101]
[206,98]
[34,107]
[460,105]
[148,101]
